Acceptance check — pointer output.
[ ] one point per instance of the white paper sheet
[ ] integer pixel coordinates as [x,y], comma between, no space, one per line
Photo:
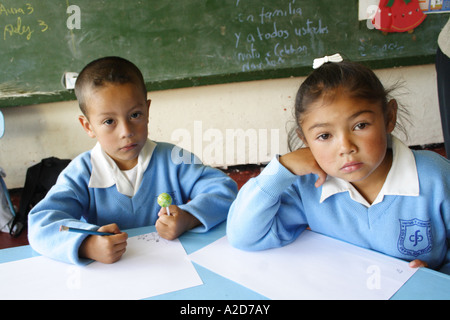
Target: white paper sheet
[150,266]
[312,267]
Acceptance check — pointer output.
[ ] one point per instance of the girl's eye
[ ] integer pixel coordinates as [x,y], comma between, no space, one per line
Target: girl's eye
[108,122]
[323,136]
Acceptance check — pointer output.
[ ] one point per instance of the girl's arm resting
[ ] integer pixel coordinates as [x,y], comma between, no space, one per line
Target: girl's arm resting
[446,214]
[267,212]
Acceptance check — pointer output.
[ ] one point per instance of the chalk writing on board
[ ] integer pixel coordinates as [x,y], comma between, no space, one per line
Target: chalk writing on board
[366,47]
[280,34]
[20,21]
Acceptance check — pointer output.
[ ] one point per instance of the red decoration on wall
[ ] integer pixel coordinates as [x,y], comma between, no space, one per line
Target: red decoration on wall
[383,18]
[398,15]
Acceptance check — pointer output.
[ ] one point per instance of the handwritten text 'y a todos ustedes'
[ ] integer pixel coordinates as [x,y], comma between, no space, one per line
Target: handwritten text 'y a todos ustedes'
[276,35]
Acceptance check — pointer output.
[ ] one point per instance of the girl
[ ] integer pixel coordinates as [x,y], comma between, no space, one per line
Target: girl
[353,181]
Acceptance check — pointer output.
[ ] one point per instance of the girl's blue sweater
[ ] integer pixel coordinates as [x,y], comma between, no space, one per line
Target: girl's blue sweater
[272,209]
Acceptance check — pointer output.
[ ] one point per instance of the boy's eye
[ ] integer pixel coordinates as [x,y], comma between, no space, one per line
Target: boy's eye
[108,122]
[361,126]
[136,115]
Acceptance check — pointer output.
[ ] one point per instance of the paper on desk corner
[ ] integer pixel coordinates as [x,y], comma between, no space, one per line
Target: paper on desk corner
[312,267]
[151,266]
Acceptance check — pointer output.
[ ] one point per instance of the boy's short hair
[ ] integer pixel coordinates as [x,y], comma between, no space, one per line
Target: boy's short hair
[106,70]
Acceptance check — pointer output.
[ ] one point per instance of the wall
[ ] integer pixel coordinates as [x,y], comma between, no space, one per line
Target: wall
[206,120]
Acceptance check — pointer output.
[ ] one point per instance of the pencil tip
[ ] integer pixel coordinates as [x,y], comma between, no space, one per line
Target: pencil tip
[63,228]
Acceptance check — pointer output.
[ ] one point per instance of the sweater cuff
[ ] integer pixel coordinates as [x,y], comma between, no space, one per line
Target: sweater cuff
[275,178]
[77,241]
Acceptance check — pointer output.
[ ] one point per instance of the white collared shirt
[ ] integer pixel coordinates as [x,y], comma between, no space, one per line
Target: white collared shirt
[106,173]
[402,178]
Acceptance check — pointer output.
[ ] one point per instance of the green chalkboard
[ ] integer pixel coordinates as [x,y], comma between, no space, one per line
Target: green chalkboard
[180,43]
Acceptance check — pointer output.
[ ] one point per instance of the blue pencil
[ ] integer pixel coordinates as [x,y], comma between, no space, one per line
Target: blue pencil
[91,232]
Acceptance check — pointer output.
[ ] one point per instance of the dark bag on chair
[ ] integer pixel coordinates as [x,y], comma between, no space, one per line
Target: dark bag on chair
[7,211]
[39,179]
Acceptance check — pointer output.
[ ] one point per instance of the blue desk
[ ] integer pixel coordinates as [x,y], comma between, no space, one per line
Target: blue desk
[424,284]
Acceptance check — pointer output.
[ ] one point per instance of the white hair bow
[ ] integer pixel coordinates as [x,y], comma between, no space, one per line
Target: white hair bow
[320,61]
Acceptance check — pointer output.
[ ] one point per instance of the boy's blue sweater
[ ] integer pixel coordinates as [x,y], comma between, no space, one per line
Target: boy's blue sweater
[272,209]
[204,192]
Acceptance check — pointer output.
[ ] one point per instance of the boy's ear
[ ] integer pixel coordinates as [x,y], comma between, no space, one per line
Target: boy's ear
[391,121]
[86,126]
[149,102]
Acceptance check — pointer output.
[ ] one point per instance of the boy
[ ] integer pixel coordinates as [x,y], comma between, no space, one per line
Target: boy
[116,184]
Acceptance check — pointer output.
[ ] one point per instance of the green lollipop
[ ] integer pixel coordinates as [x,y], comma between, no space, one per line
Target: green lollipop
[165,200]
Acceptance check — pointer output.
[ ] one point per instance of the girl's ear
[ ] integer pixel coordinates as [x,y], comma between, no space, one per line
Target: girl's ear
[301,136]
[86,126]
[391,120]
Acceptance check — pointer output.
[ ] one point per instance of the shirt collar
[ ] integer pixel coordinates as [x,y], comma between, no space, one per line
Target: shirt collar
[402,178]
[106,173]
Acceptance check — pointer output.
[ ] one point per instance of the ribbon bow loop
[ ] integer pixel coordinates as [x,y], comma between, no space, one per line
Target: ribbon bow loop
[320,61]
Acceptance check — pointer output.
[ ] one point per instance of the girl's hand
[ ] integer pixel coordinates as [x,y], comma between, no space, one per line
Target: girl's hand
[105,249]
[179,221]
[302,162]
[418,264]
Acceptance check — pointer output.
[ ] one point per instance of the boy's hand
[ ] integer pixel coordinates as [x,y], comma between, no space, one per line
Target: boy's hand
[105,249]
[302,162]
[179,221]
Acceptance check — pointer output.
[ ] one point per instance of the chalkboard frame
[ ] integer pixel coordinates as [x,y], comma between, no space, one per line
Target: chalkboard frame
[219,79]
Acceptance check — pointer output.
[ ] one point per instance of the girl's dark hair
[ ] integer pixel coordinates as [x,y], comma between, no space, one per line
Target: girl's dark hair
[351,78]
[106,70]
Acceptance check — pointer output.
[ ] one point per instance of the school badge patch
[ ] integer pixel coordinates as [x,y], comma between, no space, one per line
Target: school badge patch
[415,237]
